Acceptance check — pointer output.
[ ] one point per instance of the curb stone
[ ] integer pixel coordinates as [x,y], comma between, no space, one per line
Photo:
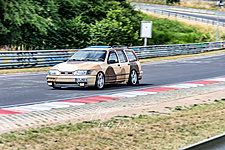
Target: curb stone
[22,117]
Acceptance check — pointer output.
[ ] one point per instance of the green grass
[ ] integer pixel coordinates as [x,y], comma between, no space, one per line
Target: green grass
[24,70]
[167,31]
[169,131]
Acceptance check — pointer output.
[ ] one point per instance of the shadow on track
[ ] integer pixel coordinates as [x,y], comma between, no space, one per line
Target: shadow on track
[107,87]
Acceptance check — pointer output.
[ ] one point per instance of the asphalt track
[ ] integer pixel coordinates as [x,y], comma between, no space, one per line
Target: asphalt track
[191,14]
[21,89]
[209,17]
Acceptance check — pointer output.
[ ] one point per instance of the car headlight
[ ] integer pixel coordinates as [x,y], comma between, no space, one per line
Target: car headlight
[82,72]
[54,72]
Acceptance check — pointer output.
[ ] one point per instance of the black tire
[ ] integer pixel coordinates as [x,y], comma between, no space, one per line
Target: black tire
[100,81]
[133,78]
[57,88]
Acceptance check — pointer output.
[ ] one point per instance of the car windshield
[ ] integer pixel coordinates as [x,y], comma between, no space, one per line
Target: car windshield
[89,55]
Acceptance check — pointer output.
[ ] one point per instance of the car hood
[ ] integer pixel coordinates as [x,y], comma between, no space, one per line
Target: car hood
[77,65]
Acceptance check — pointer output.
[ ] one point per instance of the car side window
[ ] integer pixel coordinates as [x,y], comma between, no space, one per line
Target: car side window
[131,56]
[122,56]
[112,57]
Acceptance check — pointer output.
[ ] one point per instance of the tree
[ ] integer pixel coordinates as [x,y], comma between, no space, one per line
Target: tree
[46,24]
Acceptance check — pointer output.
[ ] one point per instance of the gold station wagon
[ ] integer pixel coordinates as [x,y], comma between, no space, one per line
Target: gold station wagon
[96,66]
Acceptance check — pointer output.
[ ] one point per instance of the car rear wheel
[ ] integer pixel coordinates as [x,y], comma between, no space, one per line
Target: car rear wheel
[133,79]
[100,81]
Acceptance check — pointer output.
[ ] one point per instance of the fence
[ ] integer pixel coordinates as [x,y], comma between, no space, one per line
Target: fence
[165,12]
[176,8]
[182,16]
[38,58]
[33,58]
[179,49]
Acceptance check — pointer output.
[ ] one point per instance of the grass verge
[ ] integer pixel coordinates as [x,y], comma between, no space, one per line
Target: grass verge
[208,31]
[161,131]
[24,70]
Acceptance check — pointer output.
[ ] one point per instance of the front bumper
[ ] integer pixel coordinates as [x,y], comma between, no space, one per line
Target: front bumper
[140,75]
[70,81]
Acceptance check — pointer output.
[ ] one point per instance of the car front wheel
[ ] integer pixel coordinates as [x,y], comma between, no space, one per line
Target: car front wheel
[100,81]
[133,79]
[56,87]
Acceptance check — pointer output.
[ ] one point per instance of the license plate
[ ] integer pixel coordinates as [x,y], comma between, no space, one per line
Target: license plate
[81,84]
[50,83]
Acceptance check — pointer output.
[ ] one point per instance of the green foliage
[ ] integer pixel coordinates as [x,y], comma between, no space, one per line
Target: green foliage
[109,30]
[41,24]
[27,22]
[172,1]
[47,24]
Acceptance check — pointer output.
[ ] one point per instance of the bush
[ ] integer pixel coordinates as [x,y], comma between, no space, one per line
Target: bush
[41,24]
[51,24]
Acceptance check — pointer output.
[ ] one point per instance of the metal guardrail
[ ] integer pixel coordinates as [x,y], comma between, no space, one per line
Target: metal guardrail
[214,143]
[179,49]
[38,58]
[165,12]
[182,16]
[183,9]
[33,58]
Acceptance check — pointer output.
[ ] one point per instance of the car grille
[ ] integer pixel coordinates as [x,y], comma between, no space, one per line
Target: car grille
[66,73]
[66,83]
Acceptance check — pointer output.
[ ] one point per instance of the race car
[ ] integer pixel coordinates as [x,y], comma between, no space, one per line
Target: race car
[96,66]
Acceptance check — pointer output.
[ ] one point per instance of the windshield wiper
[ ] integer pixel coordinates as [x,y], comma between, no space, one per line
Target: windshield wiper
[86,59]
[73,60]
[76,59]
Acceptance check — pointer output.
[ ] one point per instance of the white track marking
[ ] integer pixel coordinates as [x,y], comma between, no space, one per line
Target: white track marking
[192,85]
[178,86]
[20,108]
[148,93]
[139,93]
[123,95]
[217,79]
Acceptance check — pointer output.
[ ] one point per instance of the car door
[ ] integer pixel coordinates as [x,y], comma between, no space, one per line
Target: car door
[133,61]
[124,66]
[113,70]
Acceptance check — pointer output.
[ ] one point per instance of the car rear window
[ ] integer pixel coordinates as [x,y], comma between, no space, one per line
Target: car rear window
[131,56]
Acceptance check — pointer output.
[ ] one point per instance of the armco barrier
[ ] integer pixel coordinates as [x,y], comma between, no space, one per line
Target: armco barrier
[33,58]
[38,58]
[176,8]
[171,11]
[178,49]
